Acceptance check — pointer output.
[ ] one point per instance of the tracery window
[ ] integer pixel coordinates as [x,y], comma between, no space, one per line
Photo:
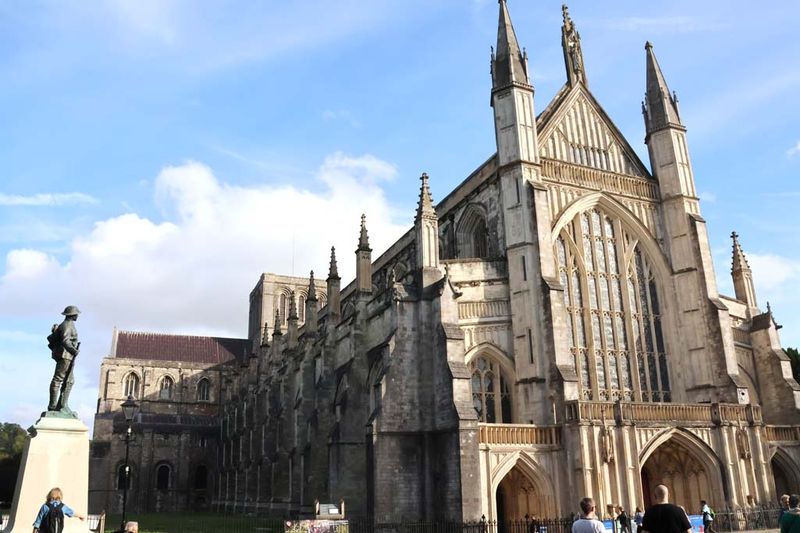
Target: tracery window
[301,308]
[131,385]
[613,314]
[166,388]
[203,390]
[491,395]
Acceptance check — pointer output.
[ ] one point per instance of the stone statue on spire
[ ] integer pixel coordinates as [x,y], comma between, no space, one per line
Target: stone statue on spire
[573,55]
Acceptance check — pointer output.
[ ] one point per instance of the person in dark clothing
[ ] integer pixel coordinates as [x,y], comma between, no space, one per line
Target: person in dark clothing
[790,520]
[664,517]
[623,520]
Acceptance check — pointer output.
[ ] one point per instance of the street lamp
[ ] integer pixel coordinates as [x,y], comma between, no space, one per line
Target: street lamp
[129,408]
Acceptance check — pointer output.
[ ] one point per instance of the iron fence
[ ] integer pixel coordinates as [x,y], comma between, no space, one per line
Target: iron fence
[753,518]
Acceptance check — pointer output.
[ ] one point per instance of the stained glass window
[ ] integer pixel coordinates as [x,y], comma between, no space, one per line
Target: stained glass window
[623,337]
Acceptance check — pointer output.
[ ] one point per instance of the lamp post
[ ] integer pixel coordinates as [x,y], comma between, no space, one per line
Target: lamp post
[129,408]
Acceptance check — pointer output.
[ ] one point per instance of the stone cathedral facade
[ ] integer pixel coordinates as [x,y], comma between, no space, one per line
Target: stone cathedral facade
[550,329]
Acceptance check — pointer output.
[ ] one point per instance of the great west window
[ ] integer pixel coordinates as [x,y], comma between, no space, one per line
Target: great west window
[613,311]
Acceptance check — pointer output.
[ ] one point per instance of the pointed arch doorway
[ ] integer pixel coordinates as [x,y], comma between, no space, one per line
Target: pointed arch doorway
[522,491]
[687,467]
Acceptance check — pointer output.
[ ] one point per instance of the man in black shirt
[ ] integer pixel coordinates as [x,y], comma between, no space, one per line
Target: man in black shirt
[664,517]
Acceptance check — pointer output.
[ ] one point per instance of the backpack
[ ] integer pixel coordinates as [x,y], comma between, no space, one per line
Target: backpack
[54,342]
[54,520]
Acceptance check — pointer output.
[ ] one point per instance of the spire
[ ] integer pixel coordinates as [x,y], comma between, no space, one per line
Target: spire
[363,239]
[312,289]
[743,285]
[293,307]
[660,107]
[573,55]
[739,260]
[509,64]
[277,329]
[333,271]
[425,204]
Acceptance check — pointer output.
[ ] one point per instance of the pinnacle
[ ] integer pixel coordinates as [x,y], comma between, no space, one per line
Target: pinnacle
[425,204]
[363,239]
[740,263]
[662,108]
[312,289]
[333,271]
[293,307]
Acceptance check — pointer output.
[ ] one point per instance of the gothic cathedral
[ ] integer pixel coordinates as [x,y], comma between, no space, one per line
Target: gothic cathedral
[550,329]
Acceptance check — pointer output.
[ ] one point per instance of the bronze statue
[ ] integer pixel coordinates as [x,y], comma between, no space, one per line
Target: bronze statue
[64,347]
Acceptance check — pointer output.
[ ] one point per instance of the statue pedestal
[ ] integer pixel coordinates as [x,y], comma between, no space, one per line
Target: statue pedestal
[55,455]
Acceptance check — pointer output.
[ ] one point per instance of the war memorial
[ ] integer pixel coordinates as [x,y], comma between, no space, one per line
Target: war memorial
[549,329]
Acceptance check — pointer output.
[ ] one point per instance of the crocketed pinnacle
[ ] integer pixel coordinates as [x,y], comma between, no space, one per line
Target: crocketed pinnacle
[333,271]
[277,329]
[312,289]
[293,307]
[509,63]
[363,239]
[661,106]
[425,204]
[739,260]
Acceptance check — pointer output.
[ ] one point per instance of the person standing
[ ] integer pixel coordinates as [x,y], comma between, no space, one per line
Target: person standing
[623,520]
[708,517]
[664,517]
[588,522]
[51,515]
[638,516]
[784,505]
[790,521]
[64,348]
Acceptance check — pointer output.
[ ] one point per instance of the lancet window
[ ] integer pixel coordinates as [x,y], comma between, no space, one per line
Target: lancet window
[491,395]
[613,312]
[131,385]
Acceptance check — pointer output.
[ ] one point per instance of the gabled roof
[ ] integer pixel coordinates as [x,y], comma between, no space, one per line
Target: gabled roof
[575,128]
[185,348]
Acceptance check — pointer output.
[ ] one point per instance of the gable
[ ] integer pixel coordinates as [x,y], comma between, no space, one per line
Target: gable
[576,130]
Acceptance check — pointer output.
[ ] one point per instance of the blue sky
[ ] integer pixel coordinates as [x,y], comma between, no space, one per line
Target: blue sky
[157,156]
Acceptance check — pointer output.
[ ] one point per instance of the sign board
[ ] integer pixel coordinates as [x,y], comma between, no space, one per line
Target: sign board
[315,526]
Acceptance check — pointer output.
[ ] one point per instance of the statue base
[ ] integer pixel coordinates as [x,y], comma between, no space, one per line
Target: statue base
[56,454]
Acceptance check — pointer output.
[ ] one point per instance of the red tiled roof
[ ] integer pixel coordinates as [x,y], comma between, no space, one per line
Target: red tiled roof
[188,348]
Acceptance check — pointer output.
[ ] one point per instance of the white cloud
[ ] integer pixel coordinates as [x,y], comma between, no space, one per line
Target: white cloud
[47,199]
[193,271]
[794,150]
[772,272]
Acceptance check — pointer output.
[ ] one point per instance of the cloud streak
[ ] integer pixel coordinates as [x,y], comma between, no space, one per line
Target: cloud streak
[794,150]
[47,199]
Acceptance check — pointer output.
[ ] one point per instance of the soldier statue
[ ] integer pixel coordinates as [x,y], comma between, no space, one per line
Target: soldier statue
[64,347]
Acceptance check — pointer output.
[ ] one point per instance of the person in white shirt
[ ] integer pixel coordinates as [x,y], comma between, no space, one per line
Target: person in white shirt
[588,522]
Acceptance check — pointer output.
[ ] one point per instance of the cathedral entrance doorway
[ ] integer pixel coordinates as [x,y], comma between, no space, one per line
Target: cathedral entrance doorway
[689,470]
[517,498]
[521,491]
[786,479]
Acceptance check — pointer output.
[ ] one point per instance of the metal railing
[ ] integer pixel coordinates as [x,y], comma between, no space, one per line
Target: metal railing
[747,519]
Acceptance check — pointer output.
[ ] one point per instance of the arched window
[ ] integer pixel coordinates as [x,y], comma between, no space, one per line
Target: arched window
[283,308]
[613,313]
[200,477]
[203,390]
[166,388]
[322,300]
[491,396]
[131,385]
[122,479]
[472,236]
[301,308]
[162,477]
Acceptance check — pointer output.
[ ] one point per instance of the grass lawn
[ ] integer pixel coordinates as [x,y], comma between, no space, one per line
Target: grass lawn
[196,523]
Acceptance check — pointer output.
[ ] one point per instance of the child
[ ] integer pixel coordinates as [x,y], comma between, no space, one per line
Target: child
[51,516]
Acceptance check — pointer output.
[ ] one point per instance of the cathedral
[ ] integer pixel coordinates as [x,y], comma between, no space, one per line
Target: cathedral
[550,329]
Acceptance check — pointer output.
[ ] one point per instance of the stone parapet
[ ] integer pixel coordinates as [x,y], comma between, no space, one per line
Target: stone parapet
[702,414]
